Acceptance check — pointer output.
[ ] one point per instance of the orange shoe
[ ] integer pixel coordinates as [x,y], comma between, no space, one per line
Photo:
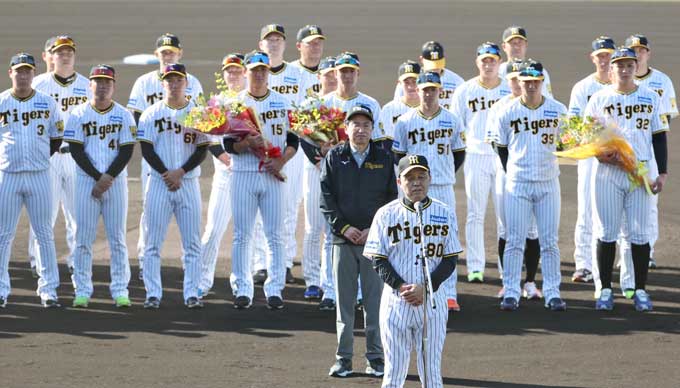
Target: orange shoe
[453,305]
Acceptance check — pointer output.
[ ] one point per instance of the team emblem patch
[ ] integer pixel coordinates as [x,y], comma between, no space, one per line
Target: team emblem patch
[289,80]
[133,130]
[40,105]
[60,126]
[276,105]
[438,219]
[550,113]
[644,99]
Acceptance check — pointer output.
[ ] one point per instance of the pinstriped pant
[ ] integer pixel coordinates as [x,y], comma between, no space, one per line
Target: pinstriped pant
[522,200]
[402,330]
[445,193]
[500,202]
[113,208]
[583,232]
[33,190]
[159,205]
[253,191]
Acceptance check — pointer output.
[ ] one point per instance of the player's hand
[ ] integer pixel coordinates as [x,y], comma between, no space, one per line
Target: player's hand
[364,236]
[325,147]
[103,184]
[274,165]
[659,183]
[353,235]
[255,141]
[173,179]
[609,158]
[412,294]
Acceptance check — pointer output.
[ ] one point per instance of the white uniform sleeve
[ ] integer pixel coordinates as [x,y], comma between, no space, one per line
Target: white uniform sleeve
[452,245]
[197,89]
[577,101]
[377,244]
[547,85]
[457,105]
[491,134]
[659,120]
[458,137]
[146,131]
[378,128]
[502,129]
[128,135]
[137,101]
[73,130]
[400,137]
[388,125]
[669,95]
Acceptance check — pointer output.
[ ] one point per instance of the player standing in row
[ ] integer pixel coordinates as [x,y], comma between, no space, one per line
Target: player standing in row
[437,134]
[260,190]
[408,75]
[174,154]
[31,129]
[219,204]
[526,131]
[432,59]
[602,49]
[515,45]
[471,102]
[637,111]
[146,91]
[310,43]
[68,89]
[317,269]
[393,252]
[102,136]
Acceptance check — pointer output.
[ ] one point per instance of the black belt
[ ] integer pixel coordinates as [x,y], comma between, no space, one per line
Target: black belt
[64,150]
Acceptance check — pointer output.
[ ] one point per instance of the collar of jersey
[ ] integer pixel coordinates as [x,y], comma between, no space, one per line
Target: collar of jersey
[628,93]
[430,117]
[75,77]
[599,81]
[409,205]
[533,107]
[649,73]
[410,106]
[180,108]
[479,82]
[308,69]
[346,99]
[283,67]
[259,98]
[25,98]
[101,112]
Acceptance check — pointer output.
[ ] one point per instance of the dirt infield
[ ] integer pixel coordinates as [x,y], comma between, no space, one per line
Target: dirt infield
[218,346]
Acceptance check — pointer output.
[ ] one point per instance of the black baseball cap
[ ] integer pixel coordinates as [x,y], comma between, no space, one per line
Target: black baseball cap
[256,58]
[360,109]
[637,40]
[512,68]
[103,71]
[168,41]
[309,32]
[62,41]
[326,64]
[272,29]
[514,32]
[603,44]
[623,53]
[21,60]
[233,59]
[533,70]
[409,69]
[174,68]
[433,56]
[429,78]
[410,162]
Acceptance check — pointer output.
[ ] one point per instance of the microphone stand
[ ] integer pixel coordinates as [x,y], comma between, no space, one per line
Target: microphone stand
[426,289]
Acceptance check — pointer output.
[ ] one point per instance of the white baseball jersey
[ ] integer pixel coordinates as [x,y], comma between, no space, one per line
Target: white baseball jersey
[287,81]
[547,85]
[450,81]
[662,84]
[345,104]
[309,81]
[581,93]
[491,119]
[26,127]
[531,137]
[101,133]
[390,113]
[436,138]
[161,126]
[148,90]
[67,96]
[272,110]
[471,102]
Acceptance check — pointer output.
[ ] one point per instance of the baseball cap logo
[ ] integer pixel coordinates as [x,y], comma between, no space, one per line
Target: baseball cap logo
[514,31]
[313,30]
[167,41]
[408,69]
[413,159]
[434,55]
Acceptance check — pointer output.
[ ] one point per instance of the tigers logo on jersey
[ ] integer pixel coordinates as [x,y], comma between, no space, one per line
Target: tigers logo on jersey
[480,103]
[628,111]
[420,135]
[525,125]
[399,232]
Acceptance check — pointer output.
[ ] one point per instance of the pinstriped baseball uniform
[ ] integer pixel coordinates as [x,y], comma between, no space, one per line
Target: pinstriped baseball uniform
[583,233]
[161,126]
[547,85]
[26,127]
[258,190]
[345,104]
[450,81]
[146,91]
[62,166]
[390,113]
[436,138]
[471,102]
[101,133]
[309,81]
[396,236]
[532,187]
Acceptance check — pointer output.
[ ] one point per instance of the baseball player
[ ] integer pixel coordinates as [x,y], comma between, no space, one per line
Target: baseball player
[432,59]
[260,190]
[471,102]
[31,129]
[390,113]
[437,134]
[310,42]
[638,113]
[532,247]
[101,135]
[515,45]
[174,154]
[527,129]
[219,205]
[69,89]
[146,91]
[317,270]
[396,240]
[602,49]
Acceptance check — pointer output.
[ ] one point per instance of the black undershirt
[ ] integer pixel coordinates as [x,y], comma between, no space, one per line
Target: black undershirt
[151,157]
[659,142]
[196,158]
[80,157]
[66,80]
[121,160]
[277,68]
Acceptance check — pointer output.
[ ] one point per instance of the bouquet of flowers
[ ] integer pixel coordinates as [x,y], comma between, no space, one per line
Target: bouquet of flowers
[318,123]
[584,138]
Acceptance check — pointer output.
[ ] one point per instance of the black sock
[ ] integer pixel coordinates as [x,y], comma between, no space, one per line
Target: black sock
[501,250]
[640,264]
[606,253]
[532,253]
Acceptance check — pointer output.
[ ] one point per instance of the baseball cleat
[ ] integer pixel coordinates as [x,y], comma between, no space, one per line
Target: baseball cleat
[341,368]
[193,302]
[509,304]
[375,367]
[260,276]
[582,276]
[556,304]
[3,302]
[629,293]
[501,293]
[605,301]
[123,301]
[290,279]
[152,303]
[242,302]
[274,303]
[652,263]
[642,301]
[476,277]
[50,303]
[81,301]
[531,292]
[452,304]
[313,292]
[34,273]
[327,305]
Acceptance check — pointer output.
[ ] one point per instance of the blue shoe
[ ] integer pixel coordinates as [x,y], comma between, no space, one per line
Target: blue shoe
[556,304]
[509,304]
[313,292]
[642,301]
[605,301]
